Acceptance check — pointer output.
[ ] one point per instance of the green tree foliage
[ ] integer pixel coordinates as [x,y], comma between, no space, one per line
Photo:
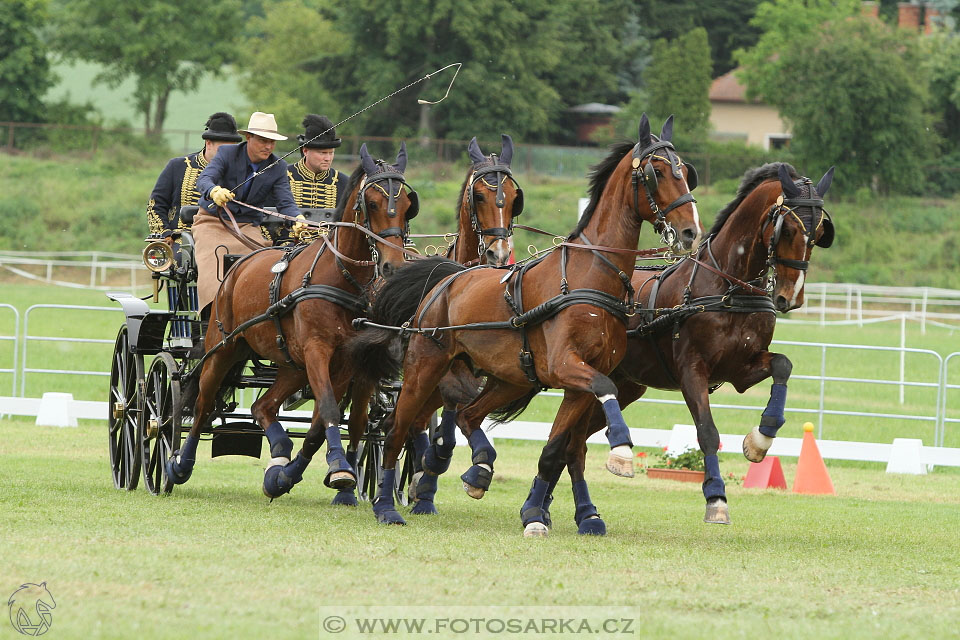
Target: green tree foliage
[678,83]
[728,24]
[782,23]
[285,62]
[24,71]
[853,98]
[165,45]
[524,63]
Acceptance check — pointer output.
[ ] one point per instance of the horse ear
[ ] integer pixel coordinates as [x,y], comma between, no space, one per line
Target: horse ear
[825,182]
[786,182]
[401,163]
[369,166]
[644,138]
[666,134]
[473,150]
[506,148]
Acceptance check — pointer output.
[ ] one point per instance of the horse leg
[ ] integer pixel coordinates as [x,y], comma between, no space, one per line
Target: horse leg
[586,516]
[758,442]
[535,511]
[215,368]
[423,485]
[694,384]
[356,426]
[496,394]
[265,410]
[422,374]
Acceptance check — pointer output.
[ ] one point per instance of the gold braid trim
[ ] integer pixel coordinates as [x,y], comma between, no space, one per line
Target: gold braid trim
[153,218]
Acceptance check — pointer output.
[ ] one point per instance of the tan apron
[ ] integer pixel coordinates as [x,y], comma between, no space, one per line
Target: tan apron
[210,238]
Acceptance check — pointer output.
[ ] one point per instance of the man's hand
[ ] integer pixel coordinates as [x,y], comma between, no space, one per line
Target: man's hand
[221,196]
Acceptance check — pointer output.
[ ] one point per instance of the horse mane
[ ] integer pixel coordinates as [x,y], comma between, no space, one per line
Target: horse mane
[599,176]
[352,183]
[751,180]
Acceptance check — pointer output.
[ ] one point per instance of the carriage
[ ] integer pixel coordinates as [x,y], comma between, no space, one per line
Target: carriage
[155,353]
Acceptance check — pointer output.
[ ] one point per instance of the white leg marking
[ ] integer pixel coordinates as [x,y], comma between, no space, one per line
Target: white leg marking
[278,461]
[609,396]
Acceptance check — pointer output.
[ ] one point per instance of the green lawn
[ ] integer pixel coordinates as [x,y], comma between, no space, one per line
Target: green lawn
[216,559]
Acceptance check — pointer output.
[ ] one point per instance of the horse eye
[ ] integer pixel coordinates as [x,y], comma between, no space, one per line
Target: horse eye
[657,171]
[479,197]
[372,205]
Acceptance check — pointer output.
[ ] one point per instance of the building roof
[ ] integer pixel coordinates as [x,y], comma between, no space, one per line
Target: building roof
[727,88]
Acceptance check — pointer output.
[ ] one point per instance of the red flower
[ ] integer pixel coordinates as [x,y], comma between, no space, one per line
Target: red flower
[665,448]
[642,454]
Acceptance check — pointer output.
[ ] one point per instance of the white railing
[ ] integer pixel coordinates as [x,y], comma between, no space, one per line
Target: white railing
[859,303]
[14,339]
[99,264]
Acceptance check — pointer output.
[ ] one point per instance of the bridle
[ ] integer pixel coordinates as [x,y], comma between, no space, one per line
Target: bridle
[500,172]
[787,207]
[390,183]
[647,174]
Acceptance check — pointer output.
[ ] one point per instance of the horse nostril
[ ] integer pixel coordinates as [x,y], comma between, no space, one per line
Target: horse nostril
[491,257]
[782,304]
[688,236]
[388,268]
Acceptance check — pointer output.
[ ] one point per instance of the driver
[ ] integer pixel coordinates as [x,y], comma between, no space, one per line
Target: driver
[250,173]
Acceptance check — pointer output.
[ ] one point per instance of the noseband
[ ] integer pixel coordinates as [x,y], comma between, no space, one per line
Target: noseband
[384,182]
[648,176]
[500,173]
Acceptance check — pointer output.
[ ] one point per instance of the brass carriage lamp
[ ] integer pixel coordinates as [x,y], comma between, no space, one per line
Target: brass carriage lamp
[158,257]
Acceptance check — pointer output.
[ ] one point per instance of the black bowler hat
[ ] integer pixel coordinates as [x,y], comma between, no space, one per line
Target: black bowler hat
[319,133]
[221,127]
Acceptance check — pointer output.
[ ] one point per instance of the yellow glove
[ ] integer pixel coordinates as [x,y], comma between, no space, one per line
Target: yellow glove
[220,196]
[303,232]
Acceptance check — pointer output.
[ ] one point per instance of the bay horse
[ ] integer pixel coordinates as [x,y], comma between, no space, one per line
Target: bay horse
[296,310]
[489,200]
[707,321]
[566,321]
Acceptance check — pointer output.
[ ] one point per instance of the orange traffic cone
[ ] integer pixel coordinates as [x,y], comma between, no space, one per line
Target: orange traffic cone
[812,476]
[767,474]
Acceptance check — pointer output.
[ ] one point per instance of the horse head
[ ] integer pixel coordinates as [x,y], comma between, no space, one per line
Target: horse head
[660,185]
[491,200]
[384,207]
[796,224]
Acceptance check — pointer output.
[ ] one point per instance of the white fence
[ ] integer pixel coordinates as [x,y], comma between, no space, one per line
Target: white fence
[859,303]
[102,267]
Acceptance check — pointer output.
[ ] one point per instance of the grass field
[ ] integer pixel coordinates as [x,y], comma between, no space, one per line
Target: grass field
[216,559]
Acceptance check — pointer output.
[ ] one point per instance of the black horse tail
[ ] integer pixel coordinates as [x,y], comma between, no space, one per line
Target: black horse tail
[512,411]
[378,353]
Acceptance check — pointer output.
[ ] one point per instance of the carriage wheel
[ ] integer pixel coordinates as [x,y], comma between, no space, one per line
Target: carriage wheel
[125,405]
[158,431]
[369,465]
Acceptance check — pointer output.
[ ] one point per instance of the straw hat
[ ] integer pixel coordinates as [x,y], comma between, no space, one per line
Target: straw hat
[263,125]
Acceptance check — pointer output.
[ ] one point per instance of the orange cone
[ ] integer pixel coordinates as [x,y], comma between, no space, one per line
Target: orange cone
[812,476]
[767,474]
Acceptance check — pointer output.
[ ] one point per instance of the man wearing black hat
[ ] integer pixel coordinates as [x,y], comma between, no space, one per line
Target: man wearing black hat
[313,180]
[177,184]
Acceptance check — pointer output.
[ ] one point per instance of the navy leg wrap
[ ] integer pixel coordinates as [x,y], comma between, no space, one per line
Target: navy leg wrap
[179,471]
[337,461]
[532,509]
[347,497]
[426,487]
[586,523]
[281,446]
[436,459]
[617,431]
[279,480]
[713,486]
[772,418]
[483,453]
[548,500]
[383,507]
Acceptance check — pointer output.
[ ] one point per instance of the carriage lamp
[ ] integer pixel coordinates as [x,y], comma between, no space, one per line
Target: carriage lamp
[158,256]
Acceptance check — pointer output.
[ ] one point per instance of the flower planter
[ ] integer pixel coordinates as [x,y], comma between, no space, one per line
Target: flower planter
[682,475]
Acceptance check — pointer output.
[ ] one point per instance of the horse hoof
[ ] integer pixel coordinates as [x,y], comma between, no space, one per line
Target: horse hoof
[345,499]
[756,445]
[536,530]
[177,474]
[474,492]
[390,516]
[343,481]
[272,485]
[592,527]
[620,466]
[412,487]
[424,508]
[717,512]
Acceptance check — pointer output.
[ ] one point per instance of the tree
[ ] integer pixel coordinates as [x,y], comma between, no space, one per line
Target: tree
[783,22]
[286,62]
[524,64]
[853,99]
[166,45]
[24,70]
[678,83]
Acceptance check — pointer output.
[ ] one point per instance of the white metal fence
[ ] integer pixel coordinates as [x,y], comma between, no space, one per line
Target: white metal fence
[12,369]
[860,303]
[102,267]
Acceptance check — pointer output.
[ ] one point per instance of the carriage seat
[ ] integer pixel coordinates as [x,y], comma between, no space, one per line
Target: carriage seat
[187,214]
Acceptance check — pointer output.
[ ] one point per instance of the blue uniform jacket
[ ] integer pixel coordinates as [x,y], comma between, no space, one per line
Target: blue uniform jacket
[176,187]
[229,168]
